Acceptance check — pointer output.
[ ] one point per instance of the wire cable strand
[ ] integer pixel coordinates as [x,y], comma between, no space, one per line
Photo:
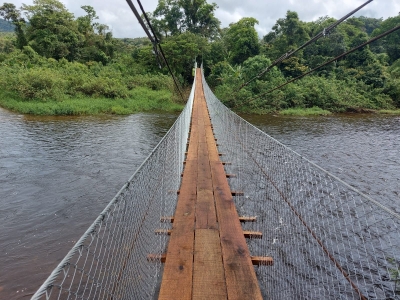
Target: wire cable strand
[327,63]
[154,40]
[288,54]
[161,50]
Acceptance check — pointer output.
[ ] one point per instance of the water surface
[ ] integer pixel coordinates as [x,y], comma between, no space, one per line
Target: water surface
[361,149]
[58,173]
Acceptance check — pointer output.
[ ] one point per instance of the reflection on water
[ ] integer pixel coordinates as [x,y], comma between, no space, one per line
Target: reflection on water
[56,175]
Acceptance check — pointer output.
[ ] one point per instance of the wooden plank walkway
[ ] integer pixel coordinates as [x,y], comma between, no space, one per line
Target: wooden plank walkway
[207,256]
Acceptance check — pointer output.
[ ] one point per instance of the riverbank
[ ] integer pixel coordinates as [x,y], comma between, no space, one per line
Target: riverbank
[140,100]
[316,111]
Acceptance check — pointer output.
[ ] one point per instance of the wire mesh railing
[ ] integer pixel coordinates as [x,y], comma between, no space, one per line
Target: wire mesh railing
[118,257]
[328,240]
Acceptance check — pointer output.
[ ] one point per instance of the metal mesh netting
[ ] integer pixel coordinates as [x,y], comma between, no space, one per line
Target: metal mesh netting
[328,240]
[118,257]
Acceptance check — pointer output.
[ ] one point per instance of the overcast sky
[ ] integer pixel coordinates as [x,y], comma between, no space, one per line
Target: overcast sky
[117,14]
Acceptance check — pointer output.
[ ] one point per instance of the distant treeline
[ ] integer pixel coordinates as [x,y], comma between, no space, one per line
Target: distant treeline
[6,26]
[53,57]
[368,79]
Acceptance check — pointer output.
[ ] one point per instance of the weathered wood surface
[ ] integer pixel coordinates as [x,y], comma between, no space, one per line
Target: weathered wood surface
[207,256]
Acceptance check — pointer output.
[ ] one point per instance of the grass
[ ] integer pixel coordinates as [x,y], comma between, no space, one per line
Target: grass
[313,111]
[140,99]
[389,112]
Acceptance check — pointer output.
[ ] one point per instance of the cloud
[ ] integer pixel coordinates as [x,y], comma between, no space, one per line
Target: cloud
[120,18]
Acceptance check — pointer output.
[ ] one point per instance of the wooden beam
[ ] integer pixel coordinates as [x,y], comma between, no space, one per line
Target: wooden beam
[262,260]
[163,231]
[167,219]
[156,257]
[247,219]
[252,234]
[237,193]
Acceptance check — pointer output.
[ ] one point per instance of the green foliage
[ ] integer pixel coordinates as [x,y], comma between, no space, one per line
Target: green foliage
[313,111]
[180,51]
[362,81]
[173,17]
[55,63]
[10,13]
[32,78]
[140,99]
[7,44]
[242,40]
[287,33]
[391,43]
[52,31]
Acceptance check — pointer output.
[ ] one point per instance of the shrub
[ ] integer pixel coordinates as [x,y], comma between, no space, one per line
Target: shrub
[106,87]
[42,84]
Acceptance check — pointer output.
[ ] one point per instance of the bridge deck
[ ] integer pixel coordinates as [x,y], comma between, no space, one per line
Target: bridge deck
[207,256]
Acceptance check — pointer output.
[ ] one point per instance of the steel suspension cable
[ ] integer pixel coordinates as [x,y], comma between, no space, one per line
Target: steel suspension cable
[288,54]
[134,10]
[154,40]
[328,62]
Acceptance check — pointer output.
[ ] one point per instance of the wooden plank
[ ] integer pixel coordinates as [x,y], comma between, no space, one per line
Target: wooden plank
[206,216]
[207,256]
[241,280]
[246,219]
[167,219]
[178,270]
[208,272]
[237,193]
[163,231]
[156,257]
[262,260]
[252,234]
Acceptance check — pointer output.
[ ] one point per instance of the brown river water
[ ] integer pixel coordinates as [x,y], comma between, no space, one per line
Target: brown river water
[58,173]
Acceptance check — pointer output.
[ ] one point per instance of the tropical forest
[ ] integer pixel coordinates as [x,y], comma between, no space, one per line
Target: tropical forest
[53,63]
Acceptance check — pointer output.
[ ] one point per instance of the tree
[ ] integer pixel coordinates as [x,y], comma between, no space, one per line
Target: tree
[10,13]
[86,23]
[370,24]
[172,17]
[390,43]
[361,57]
[242,40]
[181,50]
[52,31]
[98,43]
[287,33]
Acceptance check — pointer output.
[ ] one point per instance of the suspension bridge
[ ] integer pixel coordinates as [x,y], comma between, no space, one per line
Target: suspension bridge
[221,210]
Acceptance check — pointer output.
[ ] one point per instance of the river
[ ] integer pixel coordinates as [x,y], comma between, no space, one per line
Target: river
[58,173]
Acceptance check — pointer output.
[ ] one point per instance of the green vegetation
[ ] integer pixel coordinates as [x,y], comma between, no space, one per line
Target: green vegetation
[55,63]
[313,111]
[141,99]
[390,112]
[366,80]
